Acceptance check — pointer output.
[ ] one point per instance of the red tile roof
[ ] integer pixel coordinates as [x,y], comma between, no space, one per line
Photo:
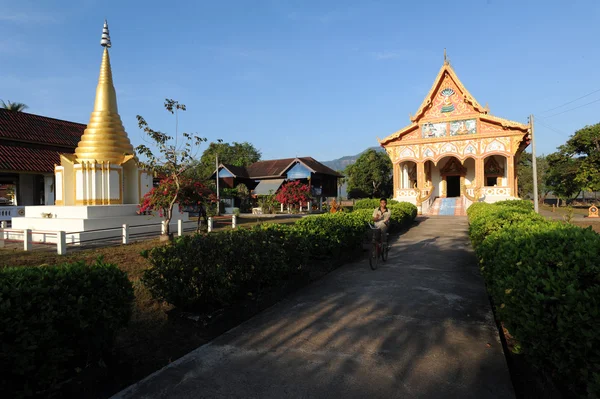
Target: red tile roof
[32,143]
[31,128]
[23,159]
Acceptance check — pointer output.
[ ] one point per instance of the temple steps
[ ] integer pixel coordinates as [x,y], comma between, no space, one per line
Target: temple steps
[447,207]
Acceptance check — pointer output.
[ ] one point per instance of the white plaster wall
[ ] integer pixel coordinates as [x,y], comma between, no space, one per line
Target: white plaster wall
[59,183]
[130,183]
[80,188]
[49,189]
[470,165]
[114,183]
[146,181]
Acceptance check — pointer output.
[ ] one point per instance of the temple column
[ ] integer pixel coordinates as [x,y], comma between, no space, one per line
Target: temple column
[510,174]
[421,175]
[479,173]
[397,179]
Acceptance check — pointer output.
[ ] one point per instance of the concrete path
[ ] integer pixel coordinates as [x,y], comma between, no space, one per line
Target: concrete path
[420,326]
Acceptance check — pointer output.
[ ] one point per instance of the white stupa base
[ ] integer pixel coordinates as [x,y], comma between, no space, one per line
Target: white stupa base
[85,224]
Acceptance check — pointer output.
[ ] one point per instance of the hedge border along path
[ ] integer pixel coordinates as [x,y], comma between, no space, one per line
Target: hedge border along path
[203,272]
[55,320]
[544,279]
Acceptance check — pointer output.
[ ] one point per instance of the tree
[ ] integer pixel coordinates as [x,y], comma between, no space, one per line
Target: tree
[584,145]
[561,175]
[189,193]
[525,176]
[370,175]
[9,105]
[236,154]
[293,193]
[173,160]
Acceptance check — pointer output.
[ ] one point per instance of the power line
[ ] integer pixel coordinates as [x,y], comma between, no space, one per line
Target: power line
[571,109]
[549,127]
[571,102]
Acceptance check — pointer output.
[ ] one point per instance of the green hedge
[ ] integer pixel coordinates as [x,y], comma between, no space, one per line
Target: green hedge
[544,279]
[55,319]
[213,270]
[371,203]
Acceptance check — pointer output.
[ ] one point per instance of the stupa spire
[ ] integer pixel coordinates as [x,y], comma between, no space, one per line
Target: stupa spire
[105,139]
[105,41]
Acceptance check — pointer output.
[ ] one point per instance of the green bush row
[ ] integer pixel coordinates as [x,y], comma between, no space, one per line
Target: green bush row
[56,319]
[371,203]
[206,271]
[544,279]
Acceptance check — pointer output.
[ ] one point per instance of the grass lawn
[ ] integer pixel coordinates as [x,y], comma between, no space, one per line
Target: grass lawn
[580,210]
[152,339]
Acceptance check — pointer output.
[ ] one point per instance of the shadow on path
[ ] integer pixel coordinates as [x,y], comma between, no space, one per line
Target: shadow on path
[420,326]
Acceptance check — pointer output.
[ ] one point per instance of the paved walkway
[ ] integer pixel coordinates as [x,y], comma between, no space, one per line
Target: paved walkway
[420,326]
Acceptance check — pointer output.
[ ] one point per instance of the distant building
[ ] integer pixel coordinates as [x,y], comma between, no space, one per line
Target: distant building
[266,177]
[29,149]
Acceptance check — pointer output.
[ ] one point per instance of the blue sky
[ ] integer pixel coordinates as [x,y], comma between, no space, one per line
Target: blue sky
[303,78]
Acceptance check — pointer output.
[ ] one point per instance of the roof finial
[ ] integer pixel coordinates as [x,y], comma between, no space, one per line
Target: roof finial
[105,41]
[445,57]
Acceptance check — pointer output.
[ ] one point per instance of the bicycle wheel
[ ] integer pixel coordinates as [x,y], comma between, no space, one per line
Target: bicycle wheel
[384,251]
[373,256]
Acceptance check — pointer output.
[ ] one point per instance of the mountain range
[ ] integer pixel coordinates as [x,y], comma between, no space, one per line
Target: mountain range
[341,163]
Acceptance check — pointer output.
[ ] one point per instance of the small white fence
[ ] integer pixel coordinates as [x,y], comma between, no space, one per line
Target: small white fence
[125,236]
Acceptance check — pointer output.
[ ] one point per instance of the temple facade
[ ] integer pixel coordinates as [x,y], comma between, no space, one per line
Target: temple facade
[453,147]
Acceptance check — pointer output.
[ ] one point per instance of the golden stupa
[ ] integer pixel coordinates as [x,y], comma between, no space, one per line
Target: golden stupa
[105,139]
[104,169]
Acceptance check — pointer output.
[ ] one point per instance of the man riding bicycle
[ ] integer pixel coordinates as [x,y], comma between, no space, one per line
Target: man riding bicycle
[381,217]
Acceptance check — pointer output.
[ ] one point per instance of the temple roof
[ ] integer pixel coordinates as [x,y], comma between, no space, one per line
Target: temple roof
[32,143]
[447,76]
[447,69]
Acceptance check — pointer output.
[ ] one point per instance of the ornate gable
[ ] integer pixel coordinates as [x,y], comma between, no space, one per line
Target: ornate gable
[448,98]
[453,167]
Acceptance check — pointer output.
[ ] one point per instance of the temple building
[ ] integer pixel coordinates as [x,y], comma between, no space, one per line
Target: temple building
[454,149]
[98,188]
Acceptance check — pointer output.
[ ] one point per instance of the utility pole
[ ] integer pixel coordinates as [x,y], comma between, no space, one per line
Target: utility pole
[218,198]
[534,165]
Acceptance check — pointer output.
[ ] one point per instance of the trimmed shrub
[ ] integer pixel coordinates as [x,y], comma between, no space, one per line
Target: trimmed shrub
[544,279]
[55,319]
[487,219]
[213,270]
[371,203]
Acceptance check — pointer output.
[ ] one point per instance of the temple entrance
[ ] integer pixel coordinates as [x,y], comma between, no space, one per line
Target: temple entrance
[453,186]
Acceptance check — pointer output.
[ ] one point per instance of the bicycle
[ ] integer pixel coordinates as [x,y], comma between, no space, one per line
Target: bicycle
[378,248]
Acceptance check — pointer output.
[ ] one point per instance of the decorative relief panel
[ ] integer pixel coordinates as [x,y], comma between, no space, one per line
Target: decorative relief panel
[412,135]
[495,146]
[485,127]
[430,130]
[470,149]
[407,153]
[448,148]
[467,126]
[448,101]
